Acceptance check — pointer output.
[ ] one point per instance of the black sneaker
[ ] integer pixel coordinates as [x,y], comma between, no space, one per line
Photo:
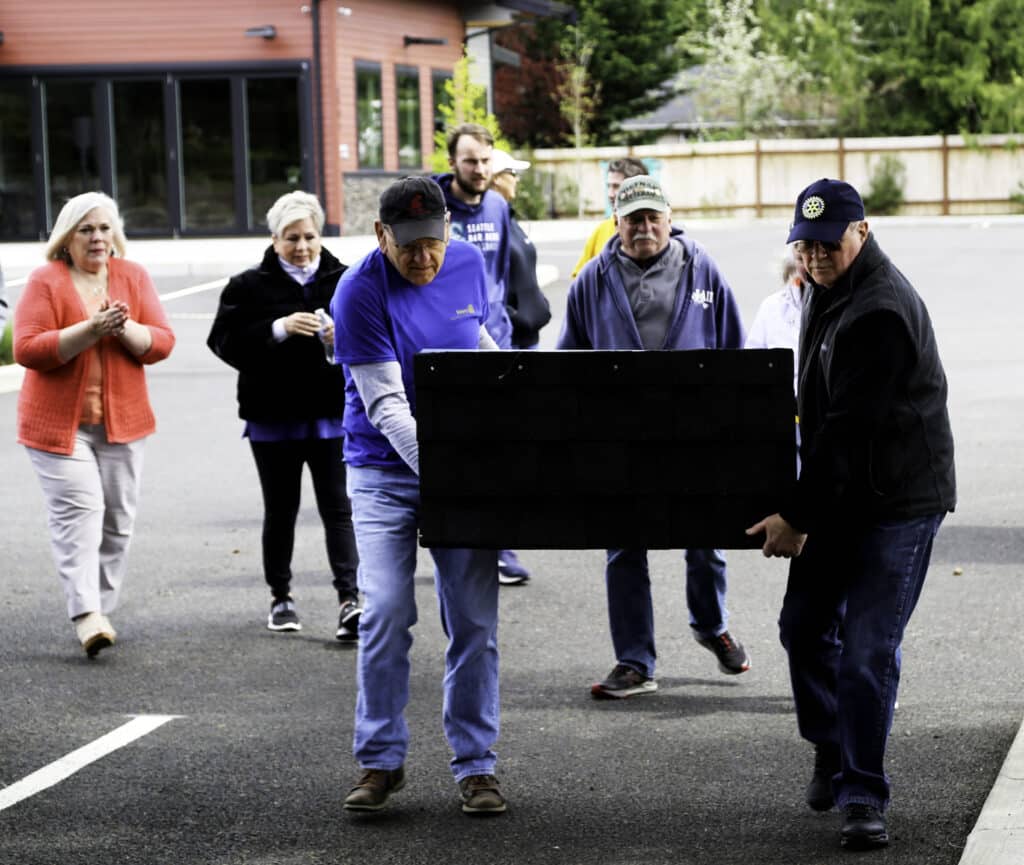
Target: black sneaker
[732,657]
[863,827]
[283,617]
[481,795]
[373,789]
[623,682]
[348,622]
[826,765]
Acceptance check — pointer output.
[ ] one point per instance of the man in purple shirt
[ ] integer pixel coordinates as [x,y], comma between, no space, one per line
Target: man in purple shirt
[419,290]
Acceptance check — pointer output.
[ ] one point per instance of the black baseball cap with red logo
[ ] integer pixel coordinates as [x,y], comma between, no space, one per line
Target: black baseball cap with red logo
[414,208]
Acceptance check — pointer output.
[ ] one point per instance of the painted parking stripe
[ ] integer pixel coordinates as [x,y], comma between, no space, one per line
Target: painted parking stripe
[66,766]
[194,289]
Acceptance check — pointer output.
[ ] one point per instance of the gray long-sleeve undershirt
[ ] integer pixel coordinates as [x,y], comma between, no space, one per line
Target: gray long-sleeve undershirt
[387,405]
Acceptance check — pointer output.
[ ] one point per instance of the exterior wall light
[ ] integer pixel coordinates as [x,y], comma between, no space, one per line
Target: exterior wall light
[423,40]
[267,31]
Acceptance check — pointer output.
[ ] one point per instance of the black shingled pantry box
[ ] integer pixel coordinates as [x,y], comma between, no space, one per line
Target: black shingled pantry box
[599,449]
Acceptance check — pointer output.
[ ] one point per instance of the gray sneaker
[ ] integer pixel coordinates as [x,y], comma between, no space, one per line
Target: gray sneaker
[283,617]
[623,682]
[373,789]
[481,795]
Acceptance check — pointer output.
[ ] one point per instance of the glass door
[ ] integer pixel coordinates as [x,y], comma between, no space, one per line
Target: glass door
[141,155]
[17,195]
[207,155]
[275,152]
[71,140]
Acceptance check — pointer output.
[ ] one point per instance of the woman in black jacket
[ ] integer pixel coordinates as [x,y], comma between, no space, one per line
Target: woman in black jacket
[271,327]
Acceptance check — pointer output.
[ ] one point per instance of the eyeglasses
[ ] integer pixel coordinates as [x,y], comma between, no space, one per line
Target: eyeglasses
[806,247]
[430,244]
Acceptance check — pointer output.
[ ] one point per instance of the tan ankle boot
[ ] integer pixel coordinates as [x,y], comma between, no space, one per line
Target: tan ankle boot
[94,633]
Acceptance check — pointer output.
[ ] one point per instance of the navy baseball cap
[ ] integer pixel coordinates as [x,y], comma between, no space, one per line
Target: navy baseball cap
[414,207]
[824,210]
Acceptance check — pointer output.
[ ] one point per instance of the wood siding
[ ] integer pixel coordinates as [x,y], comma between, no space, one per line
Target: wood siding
[115,32]
[375,32]
[144,33]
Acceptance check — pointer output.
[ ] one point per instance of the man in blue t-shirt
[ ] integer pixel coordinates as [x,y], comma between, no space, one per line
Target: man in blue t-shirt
[417,291]
[480,216]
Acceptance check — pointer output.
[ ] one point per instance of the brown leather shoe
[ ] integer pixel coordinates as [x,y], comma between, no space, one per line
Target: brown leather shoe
[373,789]
[481,795]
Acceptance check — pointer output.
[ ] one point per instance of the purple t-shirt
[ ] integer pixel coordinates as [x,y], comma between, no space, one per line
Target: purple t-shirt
[380,316]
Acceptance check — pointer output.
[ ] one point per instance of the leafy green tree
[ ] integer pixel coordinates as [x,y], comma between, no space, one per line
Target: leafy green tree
[945,65]
[742,77]
[633,58]
[579,98]
[465,102]
[824,40]
[907,67]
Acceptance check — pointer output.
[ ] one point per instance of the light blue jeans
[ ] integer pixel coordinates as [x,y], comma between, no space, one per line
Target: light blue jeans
[385,506]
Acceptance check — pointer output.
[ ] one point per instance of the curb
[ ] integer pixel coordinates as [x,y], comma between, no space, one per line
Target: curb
[998,836]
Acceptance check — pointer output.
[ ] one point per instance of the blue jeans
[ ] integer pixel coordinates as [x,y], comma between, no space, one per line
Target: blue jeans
[385,505]
[848,600]
[631,613]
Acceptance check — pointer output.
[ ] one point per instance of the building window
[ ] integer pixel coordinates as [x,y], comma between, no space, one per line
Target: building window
[207,154]
[407,88]
[441,97]
[71,140]
[17,197]
[368,115]
[140,155]
[275,154]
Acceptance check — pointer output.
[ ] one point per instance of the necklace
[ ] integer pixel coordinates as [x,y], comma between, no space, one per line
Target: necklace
[97,286]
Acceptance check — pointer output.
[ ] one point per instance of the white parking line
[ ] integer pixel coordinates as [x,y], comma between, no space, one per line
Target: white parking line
[66,766]
[194,289]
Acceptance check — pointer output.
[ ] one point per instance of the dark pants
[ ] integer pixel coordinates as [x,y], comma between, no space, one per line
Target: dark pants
[280,469]
[631,610]
[847,604]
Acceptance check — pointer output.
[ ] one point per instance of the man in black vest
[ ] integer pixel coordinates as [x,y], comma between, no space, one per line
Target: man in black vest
[876,480]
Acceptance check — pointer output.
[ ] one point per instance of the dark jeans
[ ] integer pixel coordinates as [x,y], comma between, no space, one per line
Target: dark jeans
[631,612]
[849,598]
[280,469]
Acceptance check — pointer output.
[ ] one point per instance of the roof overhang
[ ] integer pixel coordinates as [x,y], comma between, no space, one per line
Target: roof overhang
[503,13]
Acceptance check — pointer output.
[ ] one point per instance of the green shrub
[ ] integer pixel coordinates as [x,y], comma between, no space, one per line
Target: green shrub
[885,191]
[6,351]
[1017,196]
[531,194]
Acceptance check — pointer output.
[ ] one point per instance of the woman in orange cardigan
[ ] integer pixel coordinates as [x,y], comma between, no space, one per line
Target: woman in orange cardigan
[85,325]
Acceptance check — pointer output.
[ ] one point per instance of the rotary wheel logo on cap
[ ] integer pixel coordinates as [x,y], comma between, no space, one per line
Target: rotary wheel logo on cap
[813,207]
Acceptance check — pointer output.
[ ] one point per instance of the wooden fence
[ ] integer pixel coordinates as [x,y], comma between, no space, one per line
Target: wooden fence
[944,174]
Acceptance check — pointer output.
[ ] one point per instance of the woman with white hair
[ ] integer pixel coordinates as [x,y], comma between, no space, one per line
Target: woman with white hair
[87,324]
[292,397]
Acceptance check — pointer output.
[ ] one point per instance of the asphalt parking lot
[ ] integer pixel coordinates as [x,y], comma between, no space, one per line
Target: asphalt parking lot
[251,757]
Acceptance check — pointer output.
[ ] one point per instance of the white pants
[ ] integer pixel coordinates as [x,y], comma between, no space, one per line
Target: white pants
[91,496]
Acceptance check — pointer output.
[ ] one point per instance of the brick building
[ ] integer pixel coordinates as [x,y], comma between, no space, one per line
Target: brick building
[196,116]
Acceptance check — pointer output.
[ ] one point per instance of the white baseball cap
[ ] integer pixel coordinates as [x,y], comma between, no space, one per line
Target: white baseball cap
[502,161]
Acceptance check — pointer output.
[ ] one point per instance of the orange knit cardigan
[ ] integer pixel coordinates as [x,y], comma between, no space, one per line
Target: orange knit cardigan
[50,401]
